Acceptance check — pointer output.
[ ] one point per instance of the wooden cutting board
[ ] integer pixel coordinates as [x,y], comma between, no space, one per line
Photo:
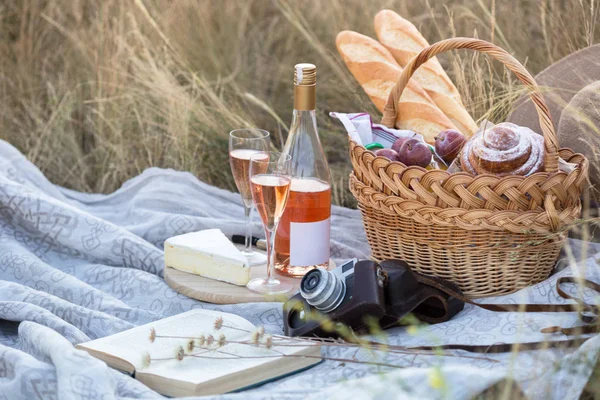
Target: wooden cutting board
[213,291]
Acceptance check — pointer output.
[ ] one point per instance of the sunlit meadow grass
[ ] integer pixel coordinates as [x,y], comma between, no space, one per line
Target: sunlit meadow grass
[95,91]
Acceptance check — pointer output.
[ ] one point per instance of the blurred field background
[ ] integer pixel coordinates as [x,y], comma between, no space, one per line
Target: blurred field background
[95,91]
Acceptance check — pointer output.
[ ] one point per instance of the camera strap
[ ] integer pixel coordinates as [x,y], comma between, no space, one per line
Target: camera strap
[588,313]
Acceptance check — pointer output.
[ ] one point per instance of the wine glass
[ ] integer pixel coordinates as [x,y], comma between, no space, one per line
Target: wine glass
[270,179]
[243,143]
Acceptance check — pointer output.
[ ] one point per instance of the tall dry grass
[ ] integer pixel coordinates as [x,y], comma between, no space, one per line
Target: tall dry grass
[95,91]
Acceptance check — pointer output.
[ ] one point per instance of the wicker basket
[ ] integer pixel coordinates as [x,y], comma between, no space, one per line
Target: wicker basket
[490,235]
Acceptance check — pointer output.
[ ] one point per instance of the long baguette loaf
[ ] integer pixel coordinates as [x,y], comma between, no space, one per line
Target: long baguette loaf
[377,72]
[404,41]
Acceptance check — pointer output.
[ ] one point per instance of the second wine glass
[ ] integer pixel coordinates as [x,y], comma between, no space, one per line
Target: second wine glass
[243,143]
[270,185]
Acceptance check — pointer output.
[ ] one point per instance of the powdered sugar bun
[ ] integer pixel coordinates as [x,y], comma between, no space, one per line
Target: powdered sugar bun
[505,149]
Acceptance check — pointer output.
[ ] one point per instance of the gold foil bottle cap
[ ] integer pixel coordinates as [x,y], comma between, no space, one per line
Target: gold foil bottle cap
[305,74]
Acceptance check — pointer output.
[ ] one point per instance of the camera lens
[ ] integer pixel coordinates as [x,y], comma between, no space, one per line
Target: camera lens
[322,289]
[311,280]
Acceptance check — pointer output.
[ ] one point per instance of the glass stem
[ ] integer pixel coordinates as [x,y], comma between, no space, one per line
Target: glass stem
[248,213]
[270,236]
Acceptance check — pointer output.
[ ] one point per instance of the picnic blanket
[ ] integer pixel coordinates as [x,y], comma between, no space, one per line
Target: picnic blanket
[76,267]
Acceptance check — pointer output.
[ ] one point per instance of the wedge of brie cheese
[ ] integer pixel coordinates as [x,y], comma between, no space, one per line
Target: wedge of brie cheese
[207,253]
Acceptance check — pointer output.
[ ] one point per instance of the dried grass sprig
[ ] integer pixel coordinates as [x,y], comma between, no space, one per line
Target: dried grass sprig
[207,345]
[191,345]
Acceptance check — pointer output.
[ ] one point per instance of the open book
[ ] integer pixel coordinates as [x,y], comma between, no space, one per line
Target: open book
[214,369]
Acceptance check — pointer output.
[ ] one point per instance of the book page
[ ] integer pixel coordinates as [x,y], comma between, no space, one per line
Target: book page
[132,345]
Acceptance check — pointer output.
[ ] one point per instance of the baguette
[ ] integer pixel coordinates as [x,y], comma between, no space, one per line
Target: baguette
[377,71]
[404,41]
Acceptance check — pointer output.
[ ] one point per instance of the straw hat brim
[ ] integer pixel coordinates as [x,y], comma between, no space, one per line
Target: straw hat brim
[559,83]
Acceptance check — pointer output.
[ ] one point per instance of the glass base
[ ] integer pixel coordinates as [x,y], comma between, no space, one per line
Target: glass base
[272,286]
[296,272]
[255,258]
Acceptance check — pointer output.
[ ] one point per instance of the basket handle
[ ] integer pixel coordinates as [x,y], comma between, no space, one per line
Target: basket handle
[550,141]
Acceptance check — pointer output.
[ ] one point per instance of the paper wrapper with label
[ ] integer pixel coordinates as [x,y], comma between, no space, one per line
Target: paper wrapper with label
[363,131]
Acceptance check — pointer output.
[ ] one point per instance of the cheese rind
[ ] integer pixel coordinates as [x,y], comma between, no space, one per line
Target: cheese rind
[207,253]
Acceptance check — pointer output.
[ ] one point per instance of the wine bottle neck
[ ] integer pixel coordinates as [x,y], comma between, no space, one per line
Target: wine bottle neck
[304,123]
[305,115]
[305,97]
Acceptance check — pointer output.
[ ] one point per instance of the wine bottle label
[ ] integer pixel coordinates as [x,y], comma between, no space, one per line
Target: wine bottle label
[309,243]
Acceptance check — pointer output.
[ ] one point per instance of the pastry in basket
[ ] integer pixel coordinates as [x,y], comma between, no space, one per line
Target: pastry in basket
[404,41]
[377,72]
[504,149]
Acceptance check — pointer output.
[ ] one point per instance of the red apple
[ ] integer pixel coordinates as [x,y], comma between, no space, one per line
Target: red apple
[448,144]
[387,153]
[415,152]
[400,141]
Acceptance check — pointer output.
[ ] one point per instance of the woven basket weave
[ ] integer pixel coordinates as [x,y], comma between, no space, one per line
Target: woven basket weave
[490,235]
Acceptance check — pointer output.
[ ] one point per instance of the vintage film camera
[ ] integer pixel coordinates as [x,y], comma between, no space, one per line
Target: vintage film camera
[360,292]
